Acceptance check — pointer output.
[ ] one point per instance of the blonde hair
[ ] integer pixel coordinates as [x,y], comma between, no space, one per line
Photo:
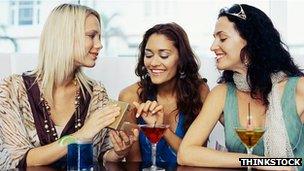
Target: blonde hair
[63,40]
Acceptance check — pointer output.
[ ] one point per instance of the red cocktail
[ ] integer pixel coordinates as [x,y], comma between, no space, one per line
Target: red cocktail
[154,133]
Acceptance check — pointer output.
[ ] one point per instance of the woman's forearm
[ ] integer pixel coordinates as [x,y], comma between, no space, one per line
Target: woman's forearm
[52,152]
[206,157]
[172,139]
[45,155]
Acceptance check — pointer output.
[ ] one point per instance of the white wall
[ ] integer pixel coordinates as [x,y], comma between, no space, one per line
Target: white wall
[5,65]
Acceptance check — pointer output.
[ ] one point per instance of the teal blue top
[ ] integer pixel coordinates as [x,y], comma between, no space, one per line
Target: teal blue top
[294,126]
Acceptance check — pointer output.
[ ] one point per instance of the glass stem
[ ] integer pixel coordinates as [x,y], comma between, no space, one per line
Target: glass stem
[249,152]
[153,154]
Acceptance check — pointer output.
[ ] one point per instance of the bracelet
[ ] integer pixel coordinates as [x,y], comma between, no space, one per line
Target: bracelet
[66,140]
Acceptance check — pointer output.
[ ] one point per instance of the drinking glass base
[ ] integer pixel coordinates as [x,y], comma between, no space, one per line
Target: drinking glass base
[153,168]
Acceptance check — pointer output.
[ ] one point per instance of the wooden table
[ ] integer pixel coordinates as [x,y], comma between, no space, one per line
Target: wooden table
[135,166]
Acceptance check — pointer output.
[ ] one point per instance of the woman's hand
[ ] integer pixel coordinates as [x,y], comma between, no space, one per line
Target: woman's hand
[122,142]
[97,121]
[151,112]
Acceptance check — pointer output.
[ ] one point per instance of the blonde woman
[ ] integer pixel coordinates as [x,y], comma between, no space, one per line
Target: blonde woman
[57,99]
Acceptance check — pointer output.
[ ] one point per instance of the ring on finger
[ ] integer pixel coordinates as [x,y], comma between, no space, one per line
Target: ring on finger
[127,142]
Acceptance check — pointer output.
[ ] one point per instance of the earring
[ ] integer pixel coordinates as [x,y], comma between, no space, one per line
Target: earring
[182,74]
[246,61]
[146,75]
[144,70]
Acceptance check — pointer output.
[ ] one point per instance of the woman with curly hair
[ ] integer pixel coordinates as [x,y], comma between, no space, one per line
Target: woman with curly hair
[170,90]
[257,70]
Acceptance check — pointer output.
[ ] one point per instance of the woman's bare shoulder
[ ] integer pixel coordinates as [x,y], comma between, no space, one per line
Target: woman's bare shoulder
[130,93]
[219,89]
[218,94]
[204,91]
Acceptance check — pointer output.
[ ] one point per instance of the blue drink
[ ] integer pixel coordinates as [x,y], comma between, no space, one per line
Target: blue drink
[80,156]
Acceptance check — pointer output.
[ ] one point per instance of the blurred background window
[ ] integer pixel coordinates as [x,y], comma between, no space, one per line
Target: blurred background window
[124,23]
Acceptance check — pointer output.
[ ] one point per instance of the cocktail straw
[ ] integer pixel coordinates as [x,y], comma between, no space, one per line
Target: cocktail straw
[249,115]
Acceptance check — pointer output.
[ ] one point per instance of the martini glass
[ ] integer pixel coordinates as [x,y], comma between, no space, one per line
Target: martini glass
[154,132]
[250,135]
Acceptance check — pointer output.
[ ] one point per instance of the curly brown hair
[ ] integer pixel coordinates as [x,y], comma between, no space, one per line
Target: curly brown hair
[187,86]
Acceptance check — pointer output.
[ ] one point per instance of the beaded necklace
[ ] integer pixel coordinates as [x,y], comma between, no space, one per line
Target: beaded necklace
[49,124]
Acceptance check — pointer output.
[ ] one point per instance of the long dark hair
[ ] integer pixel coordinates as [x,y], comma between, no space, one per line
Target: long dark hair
[188,87]
[265,52]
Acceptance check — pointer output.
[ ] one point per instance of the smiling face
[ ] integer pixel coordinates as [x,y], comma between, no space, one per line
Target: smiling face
[161,59]
[92,42]
[227,46]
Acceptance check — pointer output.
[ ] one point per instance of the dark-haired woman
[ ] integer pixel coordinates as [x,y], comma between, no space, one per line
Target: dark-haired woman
[170,90]
[257,70]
